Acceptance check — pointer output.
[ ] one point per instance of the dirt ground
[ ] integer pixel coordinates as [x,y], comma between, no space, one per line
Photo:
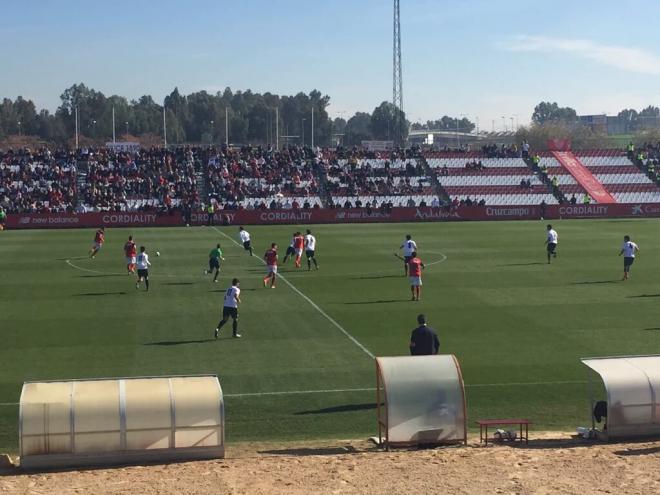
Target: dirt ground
[552,463]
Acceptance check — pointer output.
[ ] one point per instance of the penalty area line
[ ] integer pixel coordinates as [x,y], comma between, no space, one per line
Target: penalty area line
[312,303]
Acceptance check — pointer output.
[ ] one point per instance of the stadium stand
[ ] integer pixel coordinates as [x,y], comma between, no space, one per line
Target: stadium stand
[496,181]
[293,178]
[375,181]
[37,182]
[620,177]
[149,179]
[568,187]
[262,178]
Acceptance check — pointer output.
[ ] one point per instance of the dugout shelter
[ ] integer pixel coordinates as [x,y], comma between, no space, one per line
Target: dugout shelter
[120,421]
[632,387]
[420,401]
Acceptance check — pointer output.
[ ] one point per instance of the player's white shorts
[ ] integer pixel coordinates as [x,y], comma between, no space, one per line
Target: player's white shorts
[415,281]
[98,245]
[271,268]
[298,251]
[130,260]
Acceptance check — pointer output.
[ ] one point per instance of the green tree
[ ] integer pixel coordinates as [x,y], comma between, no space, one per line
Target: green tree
[384,120]
[358,129]
[551,112]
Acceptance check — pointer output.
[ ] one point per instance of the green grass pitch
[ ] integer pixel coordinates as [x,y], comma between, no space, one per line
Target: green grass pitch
[517,325]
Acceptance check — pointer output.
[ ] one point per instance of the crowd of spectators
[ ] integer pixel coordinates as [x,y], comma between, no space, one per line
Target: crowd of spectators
[456,202]
[488,150]
[250,177]
[37,181]
[149,179]
[234,176]
[502,151]
[368,177]
[474,165]
[647,157]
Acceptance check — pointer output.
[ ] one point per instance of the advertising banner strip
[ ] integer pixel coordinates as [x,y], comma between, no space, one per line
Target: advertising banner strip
[584,177]
[317,216]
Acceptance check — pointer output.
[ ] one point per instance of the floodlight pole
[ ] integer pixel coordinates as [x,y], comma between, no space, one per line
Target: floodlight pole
[164,128]
[226,126]
[76,127]
[397,79]
[114,140]
[277,128]
[312,127]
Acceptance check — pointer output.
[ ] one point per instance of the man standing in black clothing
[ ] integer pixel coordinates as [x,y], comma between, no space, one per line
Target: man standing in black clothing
[424,340]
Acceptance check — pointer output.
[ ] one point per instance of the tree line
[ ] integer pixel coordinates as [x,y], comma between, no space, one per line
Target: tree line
[246,117]
[241,117]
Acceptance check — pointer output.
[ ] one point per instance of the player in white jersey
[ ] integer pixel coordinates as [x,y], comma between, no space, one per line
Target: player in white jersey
[628,250]
[409,247]
[245,239]
[230,308]
[290,252]
[143,265]
[551,242]
[310,250]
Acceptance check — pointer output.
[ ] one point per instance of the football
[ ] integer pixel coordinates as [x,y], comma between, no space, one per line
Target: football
[157,253]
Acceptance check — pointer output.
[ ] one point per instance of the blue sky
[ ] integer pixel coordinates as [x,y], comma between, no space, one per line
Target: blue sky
[479,58]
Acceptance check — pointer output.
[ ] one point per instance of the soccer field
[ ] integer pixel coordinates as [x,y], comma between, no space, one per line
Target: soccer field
[303,368]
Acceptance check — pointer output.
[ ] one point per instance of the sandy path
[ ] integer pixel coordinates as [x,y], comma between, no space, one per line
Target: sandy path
[552,463]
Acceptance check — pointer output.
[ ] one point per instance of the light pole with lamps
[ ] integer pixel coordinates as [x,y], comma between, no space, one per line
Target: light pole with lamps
[126,123]
[77,128]
[458,139]
[211,139]
[503,123]
[19,128]
[302,126]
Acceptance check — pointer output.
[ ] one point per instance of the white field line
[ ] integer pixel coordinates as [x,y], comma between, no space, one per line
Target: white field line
[373,389]
[89,270]
[444,258]
[72,265]
[303,392]
[312,303]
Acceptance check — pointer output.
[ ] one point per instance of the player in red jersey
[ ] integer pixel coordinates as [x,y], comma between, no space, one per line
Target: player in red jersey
[99,239]
[415,267]
[298,246]
[271,266]
[131,252]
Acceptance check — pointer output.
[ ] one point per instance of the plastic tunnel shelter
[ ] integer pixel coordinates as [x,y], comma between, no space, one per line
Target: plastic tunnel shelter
[120,421]
[421,400]
[632,384]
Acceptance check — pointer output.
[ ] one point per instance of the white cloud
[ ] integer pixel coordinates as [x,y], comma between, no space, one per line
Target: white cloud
[621,57]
